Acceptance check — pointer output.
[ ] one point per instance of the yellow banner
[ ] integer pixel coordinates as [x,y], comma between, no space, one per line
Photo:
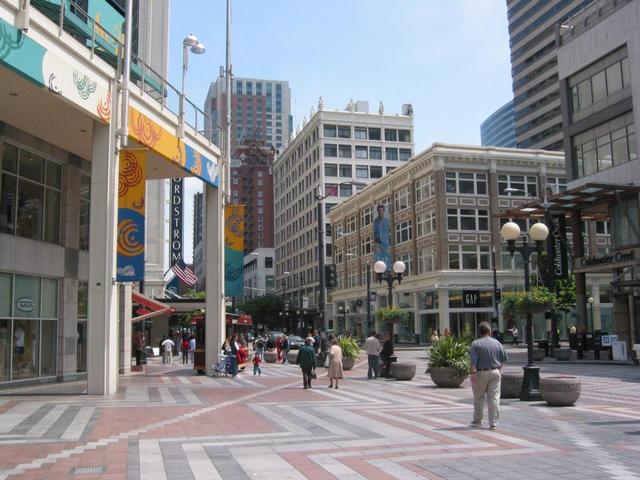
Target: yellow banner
[234,250]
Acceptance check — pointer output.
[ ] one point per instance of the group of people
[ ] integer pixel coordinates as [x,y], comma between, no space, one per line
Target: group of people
[184,343]
[237,352]
[308,359]
[435,335]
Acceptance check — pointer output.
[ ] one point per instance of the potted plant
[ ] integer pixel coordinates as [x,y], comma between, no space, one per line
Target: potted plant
[537,300]
[350,351]
[449,362]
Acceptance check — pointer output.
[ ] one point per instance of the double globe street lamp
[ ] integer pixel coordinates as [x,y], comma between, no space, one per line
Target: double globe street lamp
[389,276]
[538,233]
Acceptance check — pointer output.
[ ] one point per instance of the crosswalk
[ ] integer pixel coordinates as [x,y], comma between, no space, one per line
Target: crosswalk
[33,421]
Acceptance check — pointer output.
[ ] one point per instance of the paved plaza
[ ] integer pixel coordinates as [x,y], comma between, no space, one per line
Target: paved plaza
[171,424]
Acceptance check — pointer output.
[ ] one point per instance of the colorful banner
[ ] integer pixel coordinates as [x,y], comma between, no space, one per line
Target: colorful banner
[177,197]
[233,250]
[131,203]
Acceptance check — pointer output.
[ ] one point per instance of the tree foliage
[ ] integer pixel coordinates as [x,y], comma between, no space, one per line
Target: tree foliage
[265,309]
[391,314]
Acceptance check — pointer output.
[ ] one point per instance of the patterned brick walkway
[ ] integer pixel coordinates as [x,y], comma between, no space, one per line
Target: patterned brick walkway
[171,424]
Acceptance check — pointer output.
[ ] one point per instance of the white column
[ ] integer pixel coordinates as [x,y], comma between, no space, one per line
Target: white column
[215,308]
[443,310]
[102,358]
[124,313]
[595,293]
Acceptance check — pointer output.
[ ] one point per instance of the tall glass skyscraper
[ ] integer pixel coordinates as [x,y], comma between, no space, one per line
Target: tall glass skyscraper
[499,129]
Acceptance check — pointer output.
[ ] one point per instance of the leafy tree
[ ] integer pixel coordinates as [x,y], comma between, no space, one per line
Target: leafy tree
[265,309]
[565,294]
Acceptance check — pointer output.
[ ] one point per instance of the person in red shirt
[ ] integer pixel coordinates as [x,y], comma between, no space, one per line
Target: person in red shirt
[256,364]
[185,350]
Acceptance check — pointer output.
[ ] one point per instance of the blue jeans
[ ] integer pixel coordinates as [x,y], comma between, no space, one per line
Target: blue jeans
[374,365]
[257,369]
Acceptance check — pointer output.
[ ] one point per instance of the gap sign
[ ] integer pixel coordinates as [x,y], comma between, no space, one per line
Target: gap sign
[177,196]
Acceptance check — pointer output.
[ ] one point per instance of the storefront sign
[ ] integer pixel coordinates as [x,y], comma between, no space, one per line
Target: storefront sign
[557,247]
[609,261]
[470,298]
[176,220]
[26,304]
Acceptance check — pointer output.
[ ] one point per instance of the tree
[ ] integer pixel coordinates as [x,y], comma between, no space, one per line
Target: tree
[265,309]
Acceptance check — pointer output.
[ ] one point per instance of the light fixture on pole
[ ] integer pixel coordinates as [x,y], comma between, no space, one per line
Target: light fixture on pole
[538,233]
[591,300]
[190,43]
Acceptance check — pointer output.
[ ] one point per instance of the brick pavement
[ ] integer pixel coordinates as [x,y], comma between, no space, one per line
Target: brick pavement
[171,424]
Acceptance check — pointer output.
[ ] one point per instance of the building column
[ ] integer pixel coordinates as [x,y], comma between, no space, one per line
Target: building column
[124,314]
[102,358]
[581,285]
[215,308]
[67,329]
[444,322]
[595,294]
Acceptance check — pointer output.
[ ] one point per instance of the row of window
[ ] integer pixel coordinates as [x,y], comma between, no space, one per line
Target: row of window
[332,150]
[605,151]
[367,133]
[601,85]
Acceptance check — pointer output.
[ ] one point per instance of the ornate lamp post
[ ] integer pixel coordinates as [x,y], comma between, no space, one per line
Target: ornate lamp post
[538,233]
[389,276]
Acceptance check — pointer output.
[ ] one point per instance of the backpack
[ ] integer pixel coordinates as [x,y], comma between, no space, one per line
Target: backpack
[285,344]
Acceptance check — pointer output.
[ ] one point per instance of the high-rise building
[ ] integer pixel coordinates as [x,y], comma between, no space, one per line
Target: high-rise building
[199,250]
[499,129]
[260,110]
[333,148]
[534,69]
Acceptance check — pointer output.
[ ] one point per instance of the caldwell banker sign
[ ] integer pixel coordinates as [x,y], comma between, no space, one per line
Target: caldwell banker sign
[609,261]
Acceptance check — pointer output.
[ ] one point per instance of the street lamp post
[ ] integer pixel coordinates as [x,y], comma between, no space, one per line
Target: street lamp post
[189,44]
[590,300]
[538,233]
[389,276]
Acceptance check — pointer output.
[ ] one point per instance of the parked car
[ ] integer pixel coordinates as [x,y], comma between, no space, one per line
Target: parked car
[295,342]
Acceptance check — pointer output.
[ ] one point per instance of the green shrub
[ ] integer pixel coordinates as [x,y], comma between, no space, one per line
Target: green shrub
[451,352]
[391,314]
[350,347]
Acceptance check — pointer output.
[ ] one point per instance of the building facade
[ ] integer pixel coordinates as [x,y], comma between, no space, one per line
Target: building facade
[599,70]
[260,110]
[259,268]
[499,129]
[442,208]
[332,149]
[534,69]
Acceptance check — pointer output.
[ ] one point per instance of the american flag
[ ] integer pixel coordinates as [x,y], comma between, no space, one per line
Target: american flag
[184,273]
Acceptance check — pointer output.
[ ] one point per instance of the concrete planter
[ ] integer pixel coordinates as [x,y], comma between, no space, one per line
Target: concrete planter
[270,357]
[511,384]
[538,354]
[292,356]
[445,377]
[560,391]
[403,371]
[563,354]
[348,363]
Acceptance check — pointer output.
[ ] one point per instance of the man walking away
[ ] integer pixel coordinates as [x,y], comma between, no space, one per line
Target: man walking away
[285,348]
[487,356]
[307,361]
[373,348]
[192,348]
[167,351]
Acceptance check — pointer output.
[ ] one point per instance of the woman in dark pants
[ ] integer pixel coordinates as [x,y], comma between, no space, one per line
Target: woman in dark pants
[385,355]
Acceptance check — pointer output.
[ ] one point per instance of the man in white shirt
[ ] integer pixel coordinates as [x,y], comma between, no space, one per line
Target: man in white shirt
[372,345]
[167,354]
[192,347]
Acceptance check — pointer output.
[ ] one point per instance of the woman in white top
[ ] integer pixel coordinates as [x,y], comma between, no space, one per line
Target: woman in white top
[335,363]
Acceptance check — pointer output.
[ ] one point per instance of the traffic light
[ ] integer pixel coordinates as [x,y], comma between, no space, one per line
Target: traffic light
[330,278]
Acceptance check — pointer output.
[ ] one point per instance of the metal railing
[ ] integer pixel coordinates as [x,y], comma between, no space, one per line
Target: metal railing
[72,19]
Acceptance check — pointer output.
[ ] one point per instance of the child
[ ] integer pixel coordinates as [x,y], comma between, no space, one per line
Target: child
[256,364]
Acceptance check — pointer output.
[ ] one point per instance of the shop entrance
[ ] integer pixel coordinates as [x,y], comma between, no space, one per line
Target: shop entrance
[466,323]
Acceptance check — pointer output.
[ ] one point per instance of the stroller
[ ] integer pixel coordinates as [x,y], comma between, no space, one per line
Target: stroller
[224,367]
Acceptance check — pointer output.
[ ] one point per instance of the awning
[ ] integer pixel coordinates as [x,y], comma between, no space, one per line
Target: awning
[239,319]
[148,307]
[591,200]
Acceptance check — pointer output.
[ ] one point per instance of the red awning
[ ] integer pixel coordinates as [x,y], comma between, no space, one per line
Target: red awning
[239,319]
[149,307]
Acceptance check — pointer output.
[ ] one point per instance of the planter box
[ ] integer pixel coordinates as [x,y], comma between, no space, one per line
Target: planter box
[270,357]
[445,377]
[563,354]
[403,371]
[511,384]
[560,391]
[538,354]
[348,363]
[292,356]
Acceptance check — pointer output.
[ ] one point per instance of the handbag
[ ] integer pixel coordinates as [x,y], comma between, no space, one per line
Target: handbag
[326,362]
[313,374]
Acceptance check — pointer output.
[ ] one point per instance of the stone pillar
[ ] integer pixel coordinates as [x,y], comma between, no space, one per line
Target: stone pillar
[124,315]
[215,308]
[102,358]
[443,310]
[67,329]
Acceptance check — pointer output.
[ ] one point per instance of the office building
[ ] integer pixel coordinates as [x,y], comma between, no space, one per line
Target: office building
[534,69]
[260,110]
[499,129]
[259,268]
[333,148]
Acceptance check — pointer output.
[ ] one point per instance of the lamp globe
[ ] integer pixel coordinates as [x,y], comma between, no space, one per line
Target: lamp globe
[510,231]
[539,232]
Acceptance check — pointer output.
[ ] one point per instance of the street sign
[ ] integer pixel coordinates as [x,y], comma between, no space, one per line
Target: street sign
[470,298]
[305,302]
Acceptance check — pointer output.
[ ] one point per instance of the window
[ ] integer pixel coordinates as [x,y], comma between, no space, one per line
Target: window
[600,85]
[426,260]
[331,189]
[346,190]
[345,171]
[362,152]
[374,134]
[391,153]
[330,131]
[375,171]
[30,196]
[401,199]
[366,245]
[362,171]
[622,214]
[425,188]
[604,146]
[365,217]
[403,231]
[602,228]
[344,151]
[85,207]
[328,206]
[557,184]
[352,224]
[522,185]
[390,134]
[466,183]
[405,154]
[330,150]
[404,135]
[375,153]
[467,219]
[426,224]
[469,257]
[360,133]
[407,258]
[344,131]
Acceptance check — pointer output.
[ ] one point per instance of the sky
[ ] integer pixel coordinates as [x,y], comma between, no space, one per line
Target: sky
[448,58]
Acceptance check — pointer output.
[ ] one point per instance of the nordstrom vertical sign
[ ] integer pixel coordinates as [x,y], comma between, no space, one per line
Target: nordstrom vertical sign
[176,220]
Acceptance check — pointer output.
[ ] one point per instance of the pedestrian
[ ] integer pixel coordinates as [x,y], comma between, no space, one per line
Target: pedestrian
[447,333]
[324,348]
[259,346]
[279,348]
[257,360]
[192,348]
[167,351]
[335,364]
[285,348]
[139,344]
[372,345]
[233,344]
[487,356]
[316,342]
[514,334]
[185,350]
[386,354]
[307,361]
[434,337]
